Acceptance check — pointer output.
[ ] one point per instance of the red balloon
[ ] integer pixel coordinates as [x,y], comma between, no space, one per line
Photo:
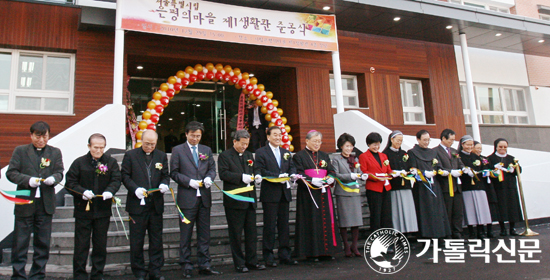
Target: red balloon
[250,87]
[185,82]
[286,146]
[200,76]
[234,79]
[257,92]
[278,122]
[151,126]
[242,83]
[218,75]
[164,101]
[209,76]
[154,118]
[270,106]
[264,99]
[170,92]
[274,114]
[177,86]
[226,77]
[285,138]
[283,130]
[192,78]
[159,108]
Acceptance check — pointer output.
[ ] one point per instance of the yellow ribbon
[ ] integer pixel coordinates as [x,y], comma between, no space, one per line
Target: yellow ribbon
[241,190]
[276,180]
[451,188]
[344,187]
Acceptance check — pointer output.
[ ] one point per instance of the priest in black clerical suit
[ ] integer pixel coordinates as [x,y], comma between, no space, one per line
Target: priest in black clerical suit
[236,169]
[146,168]
[274,161]
[27,166]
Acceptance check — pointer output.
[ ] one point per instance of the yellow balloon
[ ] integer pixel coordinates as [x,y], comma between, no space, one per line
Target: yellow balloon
[143,125]
[280,111]
[156,96]
[271,124]
[283,118]
[268,117]
[198,68]
[139,134]
[146,115]
[264,110]
[258,102]
[291,148]
[236,71]
[287,128]
[252,97]
[269,94]
[290,138]
[253,80]
[172,80]
[227,69]
[164,87]
[138,145]
[209,66]
[261,87]
[151,105]
[245,76]
[275,102]
[180,74]
[237,86]
[189,70]
[219,67]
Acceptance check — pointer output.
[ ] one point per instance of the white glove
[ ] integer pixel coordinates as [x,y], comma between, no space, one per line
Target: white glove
[470,173]
[208,182]
[164,188]
[403,172]
[140,193]
[293,177]
[364,176]
[88,194]
[247,178]
[283,175]
[500,167]
[34,182]
[49,181]
[258,179]
[455,173]
[354,176]
[445,173]
[107,195]
[395,174]
[194,184]
[414,172]
[330,180]
[318,182]
[429,174]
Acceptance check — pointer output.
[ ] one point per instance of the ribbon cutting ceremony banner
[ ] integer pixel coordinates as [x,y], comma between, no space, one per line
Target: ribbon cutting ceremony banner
[227,23]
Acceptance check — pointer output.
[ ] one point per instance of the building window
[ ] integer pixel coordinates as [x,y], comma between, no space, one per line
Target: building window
[497,105]
[413,102]
[545,17]
[480,5]
[349,91]
[36,82]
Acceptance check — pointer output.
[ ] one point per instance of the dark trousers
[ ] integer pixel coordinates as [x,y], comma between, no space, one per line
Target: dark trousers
[455,208]
[84,228]
[151,222]
[40,225]
[276,218]
[258,138]
[200,215]
[237,221]
[380,209]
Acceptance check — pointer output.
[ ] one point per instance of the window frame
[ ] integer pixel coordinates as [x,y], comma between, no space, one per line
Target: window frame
[346,93]
[13,91]
[414,110]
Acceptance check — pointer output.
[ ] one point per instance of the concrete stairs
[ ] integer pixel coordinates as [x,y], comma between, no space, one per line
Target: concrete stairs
[118,247]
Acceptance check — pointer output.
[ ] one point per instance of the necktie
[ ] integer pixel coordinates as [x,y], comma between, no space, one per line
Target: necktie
[277,156]
[449,152]
[195,156]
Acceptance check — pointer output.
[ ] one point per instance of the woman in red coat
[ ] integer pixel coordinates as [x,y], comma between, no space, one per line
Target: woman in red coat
[378,195]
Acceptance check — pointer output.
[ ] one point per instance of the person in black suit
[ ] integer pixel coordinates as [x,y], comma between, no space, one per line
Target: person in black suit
[91,174]
[236,168]
[257,126]
[193,168]
[27,168]
[146,168]
[451,166]
[274,161]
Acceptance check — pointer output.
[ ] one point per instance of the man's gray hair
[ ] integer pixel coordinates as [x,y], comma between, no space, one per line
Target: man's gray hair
[313,133]
[241,134]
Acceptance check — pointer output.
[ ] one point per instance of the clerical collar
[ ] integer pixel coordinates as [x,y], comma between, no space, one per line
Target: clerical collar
[148,154]
[466,153]
[504,155]
[394,149]
[307,148]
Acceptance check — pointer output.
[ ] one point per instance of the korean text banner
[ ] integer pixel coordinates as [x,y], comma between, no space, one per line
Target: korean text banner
[220,22]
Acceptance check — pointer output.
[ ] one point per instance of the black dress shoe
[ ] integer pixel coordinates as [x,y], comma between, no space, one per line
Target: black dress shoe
[155,277]
[187,273]
[242,269]
[289,262]
[503,233]
[513,232]
[255,266]
[209,271]
[271,264]
[490,234]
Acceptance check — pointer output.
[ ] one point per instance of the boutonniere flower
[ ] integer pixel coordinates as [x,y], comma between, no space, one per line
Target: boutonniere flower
[323,163]
[203,156]
[250,162]
[405,157]
[455,155]
[434,162]
[158,165]
[357,165]
[386,162]
[484,161]
[477,163]
[44,162]
[101,169]
[286,156]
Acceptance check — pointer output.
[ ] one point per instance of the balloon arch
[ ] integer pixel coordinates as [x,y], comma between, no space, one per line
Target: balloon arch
[225,74]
